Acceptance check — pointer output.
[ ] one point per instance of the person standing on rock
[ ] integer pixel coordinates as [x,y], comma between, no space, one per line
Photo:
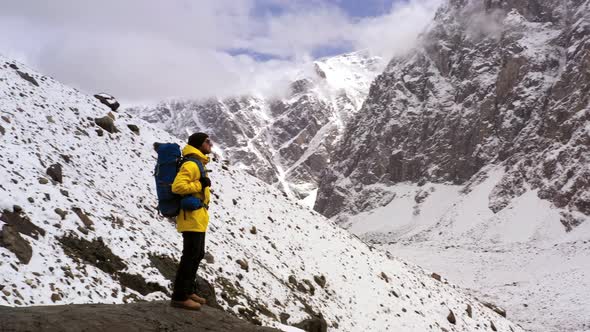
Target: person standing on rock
[193,219]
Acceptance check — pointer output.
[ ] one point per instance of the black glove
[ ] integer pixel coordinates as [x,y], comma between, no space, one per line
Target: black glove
[205,182]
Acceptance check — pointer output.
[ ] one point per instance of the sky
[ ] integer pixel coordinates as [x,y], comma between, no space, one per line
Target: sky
[149,50]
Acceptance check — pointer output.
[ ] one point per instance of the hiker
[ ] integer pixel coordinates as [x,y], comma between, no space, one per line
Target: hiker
[192,221]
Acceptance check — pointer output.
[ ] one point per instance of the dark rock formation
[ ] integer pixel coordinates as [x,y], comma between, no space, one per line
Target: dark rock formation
[93,252]
[144,316]
[108,100]
[55,172]
[27,77]
[21,223]
[11,240]
[133,128]
[139,284]
[313,324]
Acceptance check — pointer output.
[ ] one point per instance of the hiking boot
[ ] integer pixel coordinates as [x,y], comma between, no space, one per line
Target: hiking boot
[197,298]
[186,304]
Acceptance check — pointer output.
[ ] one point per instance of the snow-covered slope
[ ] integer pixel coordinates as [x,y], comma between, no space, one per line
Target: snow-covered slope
[87,230]
[284,140]
[521,256]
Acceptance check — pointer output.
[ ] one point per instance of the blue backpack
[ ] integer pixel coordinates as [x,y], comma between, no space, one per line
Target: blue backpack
[169,161]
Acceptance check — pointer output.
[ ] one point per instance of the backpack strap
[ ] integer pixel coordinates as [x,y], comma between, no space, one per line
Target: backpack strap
[202,170]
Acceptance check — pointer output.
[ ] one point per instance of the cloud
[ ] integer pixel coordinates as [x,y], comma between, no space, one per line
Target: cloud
[147,50]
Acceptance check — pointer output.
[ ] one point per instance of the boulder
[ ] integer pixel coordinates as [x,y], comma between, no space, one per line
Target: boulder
[133,128]
[55,173]
[108,100]
[106,123]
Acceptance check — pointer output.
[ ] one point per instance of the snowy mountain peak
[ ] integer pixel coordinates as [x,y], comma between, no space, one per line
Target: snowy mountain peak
[283,141]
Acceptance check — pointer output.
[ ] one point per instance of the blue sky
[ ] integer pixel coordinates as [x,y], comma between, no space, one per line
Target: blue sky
[354,9]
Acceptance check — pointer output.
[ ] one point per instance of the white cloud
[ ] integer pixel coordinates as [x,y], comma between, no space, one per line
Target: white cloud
[151,50]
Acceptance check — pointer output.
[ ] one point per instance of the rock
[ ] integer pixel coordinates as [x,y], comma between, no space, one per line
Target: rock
[384,277]
[21,223]
[469,311]
[55,173]
[319,71]
[82,230]
[55,297]
[94,252]
[292,280]
[133,128]
[2,130]
[436,276]
[205,290]
[284,317]
[209,258]
[66,158]
[27,77]
[165,264]
[107,124]
[108,100]
[43,181]
[142,316]
[61,213]
[496,309]
[253,230]
[83,217]
[310,286]
[138,284]
[243,264]
[313,324]
[234,201]
[320,280]
[99,132]
[451,317]
[11,240]
[492,326]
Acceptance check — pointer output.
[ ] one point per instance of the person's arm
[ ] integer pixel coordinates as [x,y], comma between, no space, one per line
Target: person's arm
[183,183]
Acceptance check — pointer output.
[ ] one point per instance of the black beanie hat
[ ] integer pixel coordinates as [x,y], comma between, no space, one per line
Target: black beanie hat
[197,139]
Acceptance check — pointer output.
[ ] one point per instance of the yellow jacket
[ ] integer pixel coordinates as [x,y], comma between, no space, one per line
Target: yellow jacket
[187,183]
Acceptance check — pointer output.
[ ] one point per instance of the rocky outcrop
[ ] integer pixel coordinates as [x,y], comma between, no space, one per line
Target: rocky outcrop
[144,316]
[14,242]
[512,92]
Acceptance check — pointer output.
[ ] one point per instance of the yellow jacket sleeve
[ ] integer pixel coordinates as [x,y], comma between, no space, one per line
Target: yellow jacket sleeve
[187,180]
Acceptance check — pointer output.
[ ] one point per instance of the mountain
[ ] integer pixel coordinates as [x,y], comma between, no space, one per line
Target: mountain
[471,156]
[511,92]
[78,224]
[284,140]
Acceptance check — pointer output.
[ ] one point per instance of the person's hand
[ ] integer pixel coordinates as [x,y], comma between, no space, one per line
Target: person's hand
[205,182]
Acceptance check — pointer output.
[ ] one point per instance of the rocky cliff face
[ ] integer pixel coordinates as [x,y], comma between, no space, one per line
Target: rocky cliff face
[493,82]
[285,141]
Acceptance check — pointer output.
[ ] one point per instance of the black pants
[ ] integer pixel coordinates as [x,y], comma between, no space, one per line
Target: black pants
[193,251]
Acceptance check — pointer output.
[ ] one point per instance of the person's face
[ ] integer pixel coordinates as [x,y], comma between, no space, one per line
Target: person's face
[206,146]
